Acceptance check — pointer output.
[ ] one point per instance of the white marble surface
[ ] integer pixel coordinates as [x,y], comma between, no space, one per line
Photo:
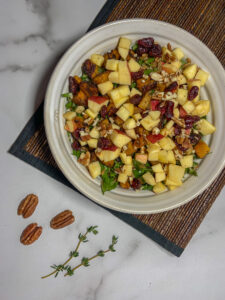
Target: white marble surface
[32,35]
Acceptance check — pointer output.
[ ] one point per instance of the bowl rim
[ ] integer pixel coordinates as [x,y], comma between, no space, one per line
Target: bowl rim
[48,129]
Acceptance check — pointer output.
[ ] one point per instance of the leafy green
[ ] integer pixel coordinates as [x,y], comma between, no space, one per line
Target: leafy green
[150,60]
[84,77]
[117,164]
[155,69]
[140,169]
[147,187]
[100,70]
[134,47]
[204,117]
[77,153]
[183,62]
[67,95]
[115,85]
[148,71]
[133,85]
[141,61]
[71,105]
[109,179]
[152,92]
[192,170]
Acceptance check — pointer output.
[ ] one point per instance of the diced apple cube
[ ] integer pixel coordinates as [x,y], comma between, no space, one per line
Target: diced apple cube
[122,178]
[109,155]
[188,107]
[112,64]
[167,143]
[131,133]
[129,124]
[114,77]
[172,187]
[129,160]
[123,52]
[114,94]
[105,87]
[176,113]
[157,168]
[190,71]
[163,156]
[82,143]
[119,139]
[169,125]
[142,158]
[137,116]
[176,64]
[187,161]
[202,108]
[97,59]
[169,68]
[154,114]
[133,65]
[124,73]
[182,95]
[205,127]
[127,169]
[114,126]
[160,177]
[171,157]
[124,43]
[149,179]
[94,169]
[91,114]
[80,109]
[124,91]
[159,188]
[194,82]
[165,51]
[181,79]
[178,53]
[69,115]
[170,182]
[129,107]
[119,102]
[70,126]
[94,133]
[175,173]
[153,152]
[95,103]
[123,113]
[134,92]
[92,143]
[202,75]
[123,157]
[148,123]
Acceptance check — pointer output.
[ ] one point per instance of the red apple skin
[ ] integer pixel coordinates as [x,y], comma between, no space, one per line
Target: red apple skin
[120,132]
[98,99]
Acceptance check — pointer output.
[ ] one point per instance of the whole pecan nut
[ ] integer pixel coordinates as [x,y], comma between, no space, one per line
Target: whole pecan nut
[28,205]
[63,219]
[30,234]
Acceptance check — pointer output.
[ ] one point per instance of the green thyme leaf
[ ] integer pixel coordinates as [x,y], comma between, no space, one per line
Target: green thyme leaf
[85,262]
[101,253]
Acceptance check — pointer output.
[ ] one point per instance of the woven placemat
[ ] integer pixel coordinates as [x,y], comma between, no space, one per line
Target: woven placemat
[173,229]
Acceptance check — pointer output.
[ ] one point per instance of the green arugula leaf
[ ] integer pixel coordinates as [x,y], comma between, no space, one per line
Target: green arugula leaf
[84,77]
[77,153]
[140,169]
[109,179]
[150,60]
[67,95]
[133,85]
[148,71]
[117,164]
[141,61]
[147,187]
[134,47]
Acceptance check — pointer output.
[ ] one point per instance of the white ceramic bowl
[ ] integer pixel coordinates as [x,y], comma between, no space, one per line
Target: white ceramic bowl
[101,40]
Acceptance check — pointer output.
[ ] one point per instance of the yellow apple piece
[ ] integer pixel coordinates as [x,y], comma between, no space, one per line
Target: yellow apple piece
[171,157]
[107,155]
[133,65]
[91,113]
[105,87]
[189,107]
[169,182]
[190,71]
[157,168]
[169,68]
[202,108]
[114,77]
[124,91]
[153,152]
[96,103]
[119,138]
[202,76]
[178,53]
[165,51]
[176,64]
[92,143]
[205,127]
[122,178]
[70,126]
[131,133]
[160,177]
[142,158]
[182,95]
[112,64]
[167,143]
[97,59]
[69,115]
[194,82]
[120,101]
[163,156]
[159,188]
[115,94]
[129,124]
[128,170]
[154,114]
[94,169]
[94,133]
[181,79]
[123,113]
[124,73]
[135,92]
[149,179]
[123,52]
[137,116]
[124,43]
[169,125]
[175,173]
[187,161]
[148,123]
[129,107]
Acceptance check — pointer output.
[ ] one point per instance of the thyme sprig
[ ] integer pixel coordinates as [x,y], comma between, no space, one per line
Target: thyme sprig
[101,253]
[65,267]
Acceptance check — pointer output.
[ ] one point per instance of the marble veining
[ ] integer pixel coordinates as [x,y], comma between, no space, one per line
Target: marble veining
[33,34]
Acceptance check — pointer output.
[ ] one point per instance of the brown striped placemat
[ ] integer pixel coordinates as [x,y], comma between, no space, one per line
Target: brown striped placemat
[205,19]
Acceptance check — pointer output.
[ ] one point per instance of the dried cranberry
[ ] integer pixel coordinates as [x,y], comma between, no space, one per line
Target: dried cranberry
[144,114]
[177,129]
[136,184]
[146,42]
[88,67]
[149,87]
[193,92]
[136,99]
[161,123]
[104,143]
[162,108]
[103,111]
[141,50]
[76,133]
[180,147]
[73,86]
[169,109]
[190,120]
[194,138]
[155,51]
[137,75]
[75,145]
[172,87]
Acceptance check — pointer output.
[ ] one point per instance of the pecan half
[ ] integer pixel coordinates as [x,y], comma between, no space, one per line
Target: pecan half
[63,219]
[28,205]
[30,234]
